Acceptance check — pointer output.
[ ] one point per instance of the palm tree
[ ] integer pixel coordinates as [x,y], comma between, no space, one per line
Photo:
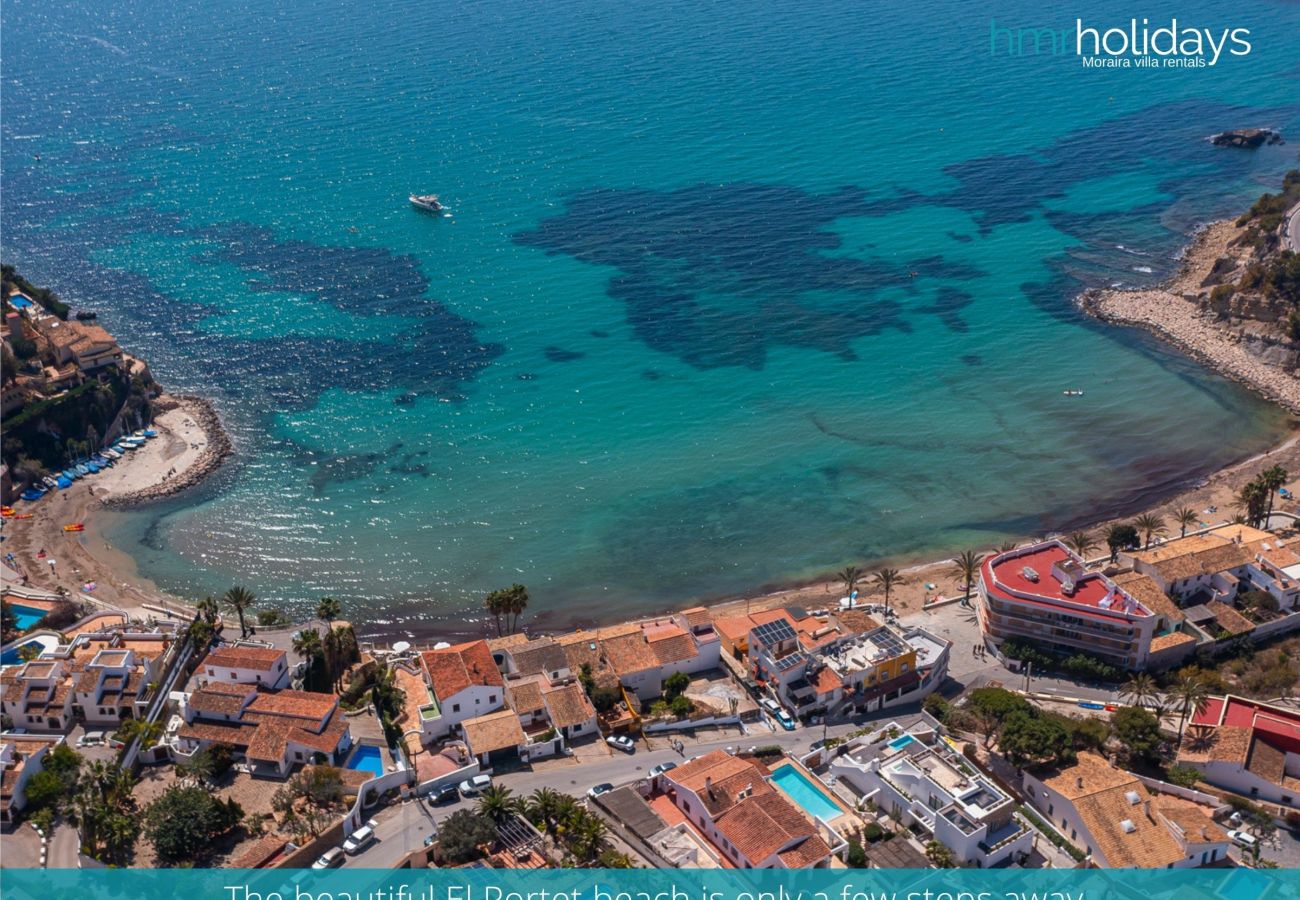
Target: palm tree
[328,609]
[307,644]
[1185,517]
[497,803]
[1151,526]
[1272,479]
[965,568]
[516,603]
[1081,543]
[209,609]
[495,603]
[1192,696]
[330,650]
[1006,546]
[1140,688]
[849,576]
[240,600]
[888,579]
[1254,498]
[148,732]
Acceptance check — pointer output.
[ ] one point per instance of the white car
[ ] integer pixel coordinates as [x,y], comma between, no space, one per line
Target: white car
[359,840]
[1242,839]
[662,768]
[621,742]
[596,790]
[472,786]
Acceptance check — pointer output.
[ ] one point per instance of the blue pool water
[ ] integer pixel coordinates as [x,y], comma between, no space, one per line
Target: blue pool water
[368,759]
[11,656]
[802,791]
[790,292]
[26,615]
[901,742]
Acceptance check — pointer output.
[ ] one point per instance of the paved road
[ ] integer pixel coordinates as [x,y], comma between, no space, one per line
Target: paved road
[1291,234]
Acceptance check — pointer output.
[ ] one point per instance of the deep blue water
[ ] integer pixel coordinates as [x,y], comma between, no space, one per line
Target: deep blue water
[730,293]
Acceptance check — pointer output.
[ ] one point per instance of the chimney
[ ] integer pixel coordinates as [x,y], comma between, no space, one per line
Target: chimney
[1146,807]
[1079,782]
[708,786]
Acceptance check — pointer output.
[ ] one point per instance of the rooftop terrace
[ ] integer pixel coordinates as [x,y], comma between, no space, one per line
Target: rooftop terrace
[1051,575]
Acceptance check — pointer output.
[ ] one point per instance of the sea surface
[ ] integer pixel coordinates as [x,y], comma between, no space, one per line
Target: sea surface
[730,294]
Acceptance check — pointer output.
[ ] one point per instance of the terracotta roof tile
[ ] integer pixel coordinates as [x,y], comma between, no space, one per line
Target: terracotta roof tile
[454,669]
[627,651]
[568,705]
[1090,774]
[293,704]
[524,696]
[539,657]
[259,659]
[495,731]
[670,644]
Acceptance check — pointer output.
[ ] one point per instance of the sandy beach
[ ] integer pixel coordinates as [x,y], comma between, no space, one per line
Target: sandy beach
[189,446]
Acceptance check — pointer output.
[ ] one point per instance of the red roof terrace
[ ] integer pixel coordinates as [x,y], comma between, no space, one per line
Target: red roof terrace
[1048,574]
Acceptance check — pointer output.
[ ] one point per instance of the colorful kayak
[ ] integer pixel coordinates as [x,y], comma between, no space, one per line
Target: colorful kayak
[25,516]
[6,512]
[1089,704]
[64,482]
[77,527]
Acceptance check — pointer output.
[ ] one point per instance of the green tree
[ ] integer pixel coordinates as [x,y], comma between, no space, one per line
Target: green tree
[464,836]
[516,603]
[1151,526]
[675,685]
[849,576]
[887,580]
[1026,738]
[1185,517]
[1139,731]
[1081,543]
[1120,537]
[965,569]
[1254,498]
[307,644]
[605,698]
[1271,480]
[1191,695]
[185,820]
[939,854]
[8,621]
[681,706]
[209,610]
[1140,689]
[239,600]
[497,803]
[328,609]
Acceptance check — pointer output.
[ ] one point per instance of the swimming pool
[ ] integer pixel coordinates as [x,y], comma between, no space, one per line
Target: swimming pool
[12,655]
[27,616]
[903,741]
[797,786]
[368,759]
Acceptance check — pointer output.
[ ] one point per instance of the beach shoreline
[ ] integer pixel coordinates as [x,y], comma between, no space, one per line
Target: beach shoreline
[190,446]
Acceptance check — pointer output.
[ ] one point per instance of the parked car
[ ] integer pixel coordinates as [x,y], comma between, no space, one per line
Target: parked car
[472,786]
[662,768]
[331,859]
[603,788]
[621,742]
[1242,839]
[445,794]
[359,840]
[775,711]
[430,838]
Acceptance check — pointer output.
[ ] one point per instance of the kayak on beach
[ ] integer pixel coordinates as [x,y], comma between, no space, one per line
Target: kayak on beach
[75,527]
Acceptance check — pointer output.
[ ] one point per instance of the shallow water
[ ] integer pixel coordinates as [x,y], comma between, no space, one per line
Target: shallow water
[729,294]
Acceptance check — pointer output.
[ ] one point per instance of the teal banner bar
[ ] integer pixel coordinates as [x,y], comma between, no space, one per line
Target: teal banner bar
[650,884]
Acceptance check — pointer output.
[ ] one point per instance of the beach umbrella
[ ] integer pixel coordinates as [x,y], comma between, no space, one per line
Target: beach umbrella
[401,646]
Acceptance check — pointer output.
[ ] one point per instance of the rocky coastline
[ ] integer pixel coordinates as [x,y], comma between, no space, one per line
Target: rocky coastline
[1174,312]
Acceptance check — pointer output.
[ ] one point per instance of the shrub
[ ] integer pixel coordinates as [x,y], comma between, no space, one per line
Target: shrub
[937,706]
[463,834]
[185,820]
[1222,293]
[856,857]
[1183,776]
[682,706]
[675,685]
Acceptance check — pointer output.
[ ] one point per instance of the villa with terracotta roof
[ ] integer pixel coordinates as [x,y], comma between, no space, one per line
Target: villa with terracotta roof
[463,683]
[274,730]
[111,687]
[1044,593]
[246,664]
[1248,747]
[21,757]
[1219,564]
[816,663]
[89,347]
[751,823]
[494,737]
[1120,822]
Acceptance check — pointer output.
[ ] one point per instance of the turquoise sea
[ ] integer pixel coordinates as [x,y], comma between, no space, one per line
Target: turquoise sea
[731,294]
